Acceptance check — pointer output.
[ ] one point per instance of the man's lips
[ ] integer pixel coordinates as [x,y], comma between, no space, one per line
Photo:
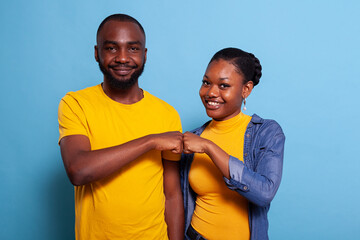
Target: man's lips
[122,70]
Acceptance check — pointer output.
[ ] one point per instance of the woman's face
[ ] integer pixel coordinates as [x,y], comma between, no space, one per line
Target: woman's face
[223,90]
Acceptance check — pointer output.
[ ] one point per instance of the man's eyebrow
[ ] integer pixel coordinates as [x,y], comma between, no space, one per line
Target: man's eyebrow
[129,43]
[110,42]
[134,42]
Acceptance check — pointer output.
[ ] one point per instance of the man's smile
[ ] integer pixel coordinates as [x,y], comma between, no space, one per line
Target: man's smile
[122,70]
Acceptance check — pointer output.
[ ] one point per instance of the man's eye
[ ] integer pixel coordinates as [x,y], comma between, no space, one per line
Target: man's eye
[134,49]
[110,48]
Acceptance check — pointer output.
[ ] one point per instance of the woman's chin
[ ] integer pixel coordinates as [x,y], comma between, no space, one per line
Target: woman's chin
[213,114]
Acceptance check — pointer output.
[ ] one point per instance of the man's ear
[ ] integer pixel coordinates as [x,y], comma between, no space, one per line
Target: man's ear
[145,55]
[96,53]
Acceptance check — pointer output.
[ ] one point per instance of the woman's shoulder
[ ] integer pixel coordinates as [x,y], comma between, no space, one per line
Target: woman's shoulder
[263,126]
[200,129]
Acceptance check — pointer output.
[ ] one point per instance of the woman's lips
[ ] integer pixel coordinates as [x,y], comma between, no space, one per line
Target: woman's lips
[212,105]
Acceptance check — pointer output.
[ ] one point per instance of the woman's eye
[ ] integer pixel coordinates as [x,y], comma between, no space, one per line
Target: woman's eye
[224,86]
[205,83]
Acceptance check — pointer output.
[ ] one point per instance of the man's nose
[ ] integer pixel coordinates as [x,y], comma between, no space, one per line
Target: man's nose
[122,56]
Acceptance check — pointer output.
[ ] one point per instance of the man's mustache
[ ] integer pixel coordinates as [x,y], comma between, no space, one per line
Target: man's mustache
[122,66]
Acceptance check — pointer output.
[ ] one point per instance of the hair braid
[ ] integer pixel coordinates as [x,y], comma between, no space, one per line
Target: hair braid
[257,70]
[246,63]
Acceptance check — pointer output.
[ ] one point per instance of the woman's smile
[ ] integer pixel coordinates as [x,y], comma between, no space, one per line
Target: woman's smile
[222,90]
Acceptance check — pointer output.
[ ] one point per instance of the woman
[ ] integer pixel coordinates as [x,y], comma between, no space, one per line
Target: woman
[232,165]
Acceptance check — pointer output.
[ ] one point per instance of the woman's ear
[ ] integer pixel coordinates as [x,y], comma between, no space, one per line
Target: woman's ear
[247,88]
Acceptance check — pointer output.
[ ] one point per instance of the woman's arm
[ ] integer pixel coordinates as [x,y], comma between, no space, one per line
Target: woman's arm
[196,144]
[257,186]
[260,185]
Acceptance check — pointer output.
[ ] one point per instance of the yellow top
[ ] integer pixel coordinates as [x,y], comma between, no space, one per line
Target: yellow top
[220,213]
[130,203]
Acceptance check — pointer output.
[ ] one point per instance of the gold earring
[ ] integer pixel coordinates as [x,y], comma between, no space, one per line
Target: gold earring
[244,108]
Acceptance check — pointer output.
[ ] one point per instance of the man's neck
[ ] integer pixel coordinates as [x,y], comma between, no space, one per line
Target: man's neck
[124,96]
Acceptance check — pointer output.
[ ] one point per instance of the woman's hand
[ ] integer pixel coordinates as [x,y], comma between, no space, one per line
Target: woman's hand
[194,143]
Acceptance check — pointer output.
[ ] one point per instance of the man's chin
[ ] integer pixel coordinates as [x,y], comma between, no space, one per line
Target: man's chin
[121,83]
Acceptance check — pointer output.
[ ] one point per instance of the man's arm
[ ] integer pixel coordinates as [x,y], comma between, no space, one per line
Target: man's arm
[84,166]
[174,208]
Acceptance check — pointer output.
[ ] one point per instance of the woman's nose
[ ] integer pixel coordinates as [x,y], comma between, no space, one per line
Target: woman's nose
[213,91]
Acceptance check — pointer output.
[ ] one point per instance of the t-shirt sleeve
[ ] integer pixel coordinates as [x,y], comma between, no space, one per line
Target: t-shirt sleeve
[174,125]
[71,118]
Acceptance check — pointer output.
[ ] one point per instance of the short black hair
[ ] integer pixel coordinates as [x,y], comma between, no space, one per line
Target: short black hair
[121,18]
[245,63]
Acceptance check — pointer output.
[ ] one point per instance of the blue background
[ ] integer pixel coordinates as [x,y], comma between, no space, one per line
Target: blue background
[309,51]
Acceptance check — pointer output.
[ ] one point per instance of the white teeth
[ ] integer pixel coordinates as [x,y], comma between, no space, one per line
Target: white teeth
[213,103]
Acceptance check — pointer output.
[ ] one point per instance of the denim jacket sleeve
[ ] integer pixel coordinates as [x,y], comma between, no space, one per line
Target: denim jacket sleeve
[259,180]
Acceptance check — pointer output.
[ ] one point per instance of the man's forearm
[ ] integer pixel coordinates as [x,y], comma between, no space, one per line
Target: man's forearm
[86,166]
[174,206]
[174,217]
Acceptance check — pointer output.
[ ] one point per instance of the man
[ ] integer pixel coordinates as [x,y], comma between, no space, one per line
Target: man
[121,145]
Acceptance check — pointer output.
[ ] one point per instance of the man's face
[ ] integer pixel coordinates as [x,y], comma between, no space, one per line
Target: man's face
[121,53]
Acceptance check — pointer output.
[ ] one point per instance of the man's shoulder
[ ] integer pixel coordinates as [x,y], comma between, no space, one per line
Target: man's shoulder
[158,102]
[83,94]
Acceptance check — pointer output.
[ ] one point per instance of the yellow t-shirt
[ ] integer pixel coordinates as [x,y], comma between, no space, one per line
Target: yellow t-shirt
[129,204]
[220,213]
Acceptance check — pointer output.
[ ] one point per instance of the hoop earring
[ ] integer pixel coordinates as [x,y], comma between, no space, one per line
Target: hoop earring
[244,108]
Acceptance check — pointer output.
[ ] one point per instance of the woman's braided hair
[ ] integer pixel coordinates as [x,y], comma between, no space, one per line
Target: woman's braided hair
[245,63]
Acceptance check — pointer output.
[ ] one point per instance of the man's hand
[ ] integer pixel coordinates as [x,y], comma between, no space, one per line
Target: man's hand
[168,141]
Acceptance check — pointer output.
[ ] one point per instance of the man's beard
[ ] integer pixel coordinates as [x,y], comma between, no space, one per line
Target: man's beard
[126,83]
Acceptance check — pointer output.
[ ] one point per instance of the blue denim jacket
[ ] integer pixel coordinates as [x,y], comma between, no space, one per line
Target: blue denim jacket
[257,179]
